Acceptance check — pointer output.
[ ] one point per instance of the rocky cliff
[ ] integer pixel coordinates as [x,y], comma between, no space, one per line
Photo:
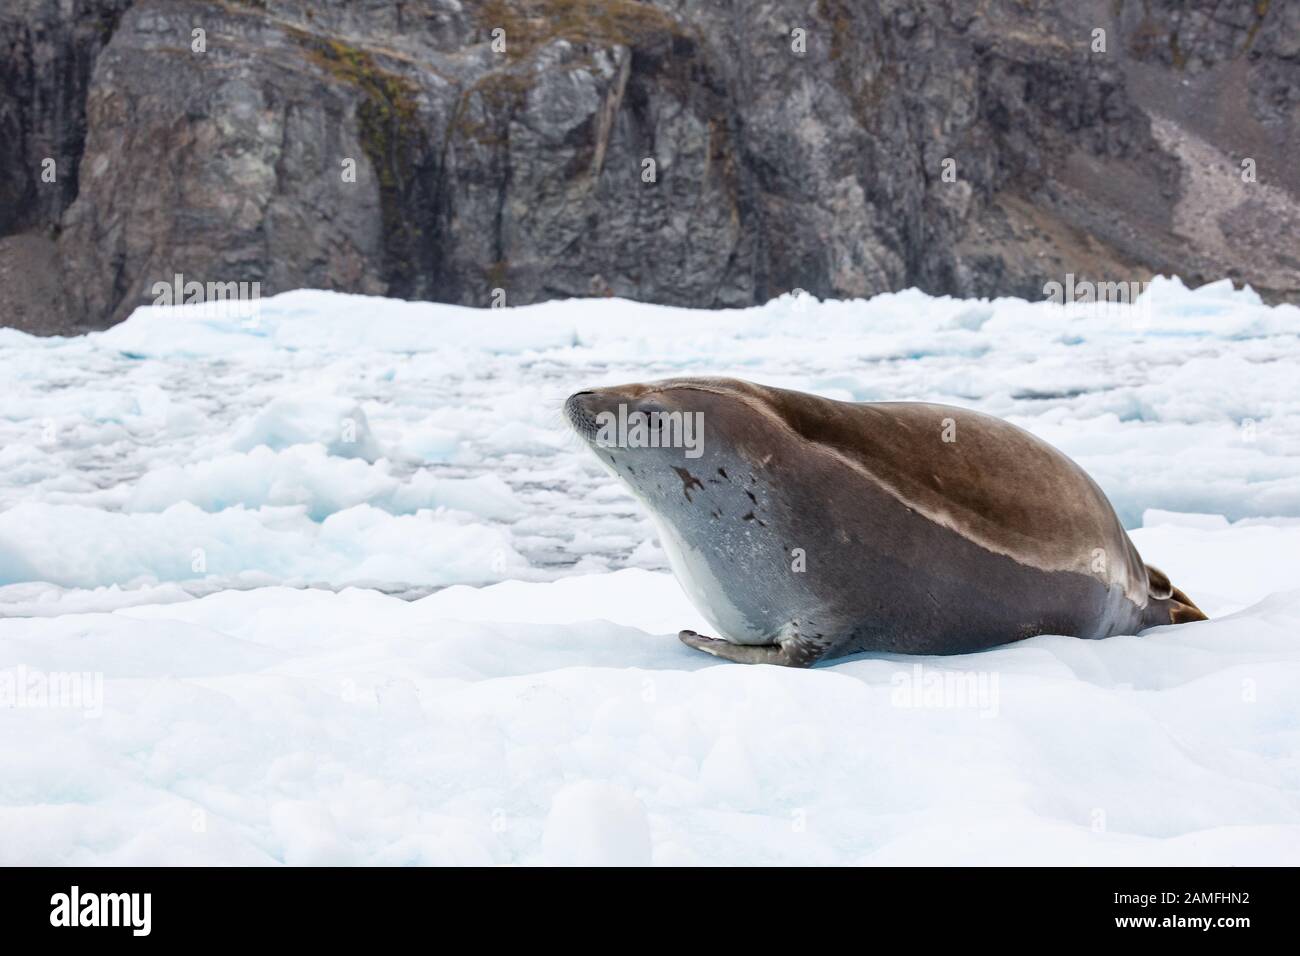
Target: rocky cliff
[695,152]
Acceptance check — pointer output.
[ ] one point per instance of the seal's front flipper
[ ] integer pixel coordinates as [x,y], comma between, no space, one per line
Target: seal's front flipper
[746,653]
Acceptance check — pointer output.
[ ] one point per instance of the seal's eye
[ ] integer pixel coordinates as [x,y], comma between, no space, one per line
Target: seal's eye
[655,415]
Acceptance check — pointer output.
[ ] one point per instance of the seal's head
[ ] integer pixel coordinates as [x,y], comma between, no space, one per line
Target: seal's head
[670,439]
[664,439]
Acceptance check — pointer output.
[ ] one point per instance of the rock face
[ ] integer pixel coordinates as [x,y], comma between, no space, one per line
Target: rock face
[695,152]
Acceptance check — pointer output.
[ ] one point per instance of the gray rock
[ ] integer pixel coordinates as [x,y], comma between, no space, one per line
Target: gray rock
[527,169]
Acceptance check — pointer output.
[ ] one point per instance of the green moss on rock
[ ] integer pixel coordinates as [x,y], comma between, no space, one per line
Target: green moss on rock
[393,141]
[530,24]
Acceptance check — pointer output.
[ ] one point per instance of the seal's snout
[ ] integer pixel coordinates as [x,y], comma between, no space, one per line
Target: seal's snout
[580,414]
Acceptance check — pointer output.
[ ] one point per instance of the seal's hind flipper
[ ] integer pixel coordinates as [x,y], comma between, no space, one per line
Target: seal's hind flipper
[746,653]
[1182,610]
[1166,604]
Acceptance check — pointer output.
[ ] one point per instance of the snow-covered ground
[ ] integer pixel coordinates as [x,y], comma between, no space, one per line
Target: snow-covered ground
[229,636]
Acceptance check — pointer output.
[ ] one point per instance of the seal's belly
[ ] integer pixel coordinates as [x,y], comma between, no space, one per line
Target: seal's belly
[707,593]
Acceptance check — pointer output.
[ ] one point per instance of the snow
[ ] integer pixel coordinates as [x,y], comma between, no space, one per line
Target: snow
[337,425]
[79,546]
[336,586]
[593,823]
